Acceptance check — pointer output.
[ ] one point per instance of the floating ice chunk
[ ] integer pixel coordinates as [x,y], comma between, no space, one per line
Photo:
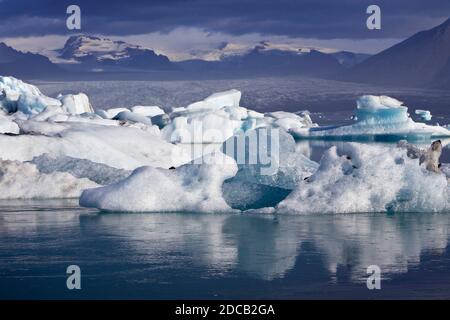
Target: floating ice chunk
[133,117]
[290,122]
[148,111]
[424,114]
[8,126]
[76,103]
[268,156]
[380,109]
[244,195]
[191,187]
[111,113]
[205,127]
[16,95]
[80,168]
[102,113]
[218,100]
[378,119]
[219,117]
[374,103]
[369,178]
[24,181]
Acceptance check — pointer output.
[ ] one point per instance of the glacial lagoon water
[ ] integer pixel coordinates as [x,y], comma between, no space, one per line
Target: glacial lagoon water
[215,256]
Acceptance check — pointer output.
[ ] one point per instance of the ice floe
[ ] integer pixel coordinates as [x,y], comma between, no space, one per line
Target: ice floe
[16,95]
[368,178]
[424,114]
[378,118]
[191,187]
[220,116]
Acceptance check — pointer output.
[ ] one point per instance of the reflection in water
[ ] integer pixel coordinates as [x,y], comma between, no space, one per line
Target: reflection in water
[267,247]
[155,250]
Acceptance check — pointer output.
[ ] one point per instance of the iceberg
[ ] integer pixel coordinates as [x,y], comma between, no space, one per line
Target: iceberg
[378,118]
[24,181]
[219,117]
[148,111]
[68,127]
[76,103]
[269,167]
[191,187]
[16,95]
[424,114]
[269,157]
[133,117]
[356,178]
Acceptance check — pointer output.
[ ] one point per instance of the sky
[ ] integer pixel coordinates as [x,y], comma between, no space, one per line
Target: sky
[184,29]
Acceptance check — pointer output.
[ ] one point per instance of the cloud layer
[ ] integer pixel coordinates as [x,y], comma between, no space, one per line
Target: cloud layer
[320,19]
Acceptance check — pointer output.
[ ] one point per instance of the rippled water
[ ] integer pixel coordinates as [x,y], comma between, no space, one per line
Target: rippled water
[172,256]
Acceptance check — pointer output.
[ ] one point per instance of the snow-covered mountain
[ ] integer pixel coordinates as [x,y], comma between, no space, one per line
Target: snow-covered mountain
[104,53]
[268,58]
[17,63]
[421,60]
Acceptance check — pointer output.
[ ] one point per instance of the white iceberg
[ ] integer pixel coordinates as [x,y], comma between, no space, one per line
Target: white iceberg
[219,117]
[191,187]
[147,111]
[368,178]
[378,118]
[16,95]
[76,103]
[133,117]
[424,114]
[269,157]
[24,181]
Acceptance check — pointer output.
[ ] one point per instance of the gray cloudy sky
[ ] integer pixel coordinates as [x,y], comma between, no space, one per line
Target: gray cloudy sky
[180,28]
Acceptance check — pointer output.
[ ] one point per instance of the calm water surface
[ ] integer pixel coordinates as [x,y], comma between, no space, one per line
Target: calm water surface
[214,256]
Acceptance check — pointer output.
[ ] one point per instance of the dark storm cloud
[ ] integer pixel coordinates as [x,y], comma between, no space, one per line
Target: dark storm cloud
[322,19]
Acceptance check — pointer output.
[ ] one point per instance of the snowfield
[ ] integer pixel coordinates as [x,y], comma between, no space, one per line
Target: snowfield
[137,158]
